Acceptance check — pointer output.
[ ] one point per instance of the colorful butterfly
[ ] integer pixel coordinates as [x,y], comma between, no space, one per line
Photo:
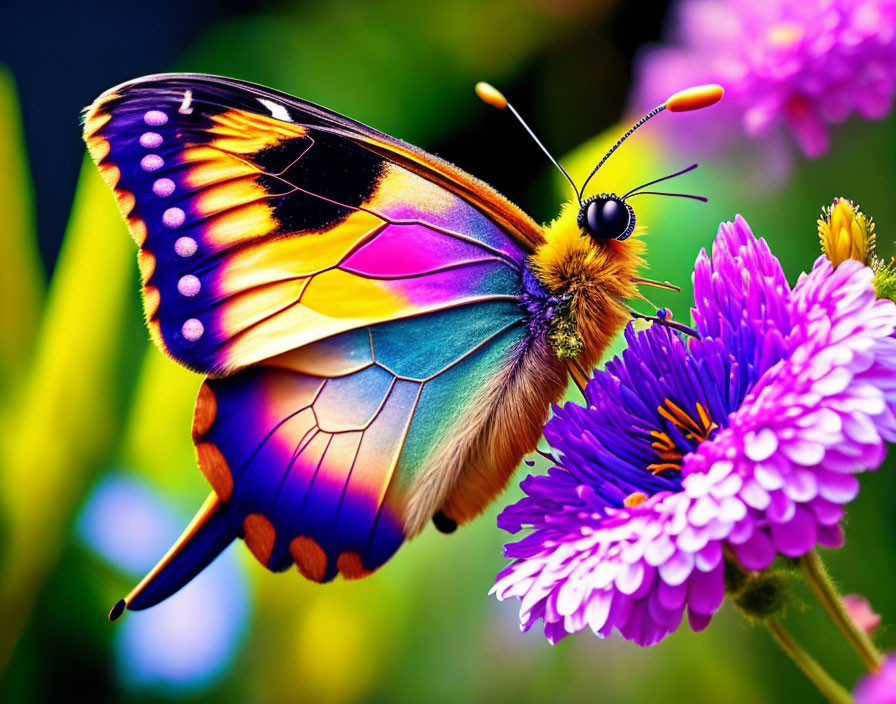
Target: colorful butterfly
[383,334]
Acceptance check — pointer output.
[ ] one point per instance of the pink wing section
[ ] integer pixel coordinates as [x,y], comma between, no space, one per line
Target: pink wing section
[387,256]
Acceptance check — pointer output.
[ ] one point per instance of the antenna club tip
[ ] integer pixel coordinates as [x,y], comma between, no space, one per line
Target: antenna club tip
[491,95]
[117,610]
[695,98]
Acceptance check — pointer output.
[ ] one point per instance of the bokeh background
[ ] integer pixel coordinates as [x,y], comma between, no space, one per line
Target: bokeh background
[97,474]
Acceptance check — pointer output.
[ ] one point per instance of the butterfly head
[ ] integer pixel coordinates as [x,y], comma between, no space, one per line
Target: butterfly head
[607,217]
[591,253]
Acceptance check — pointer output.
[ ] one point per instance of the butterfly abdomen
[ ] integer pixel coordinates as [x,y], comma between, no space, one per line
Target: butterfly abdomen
[574,293]
[505,427]
[503,424]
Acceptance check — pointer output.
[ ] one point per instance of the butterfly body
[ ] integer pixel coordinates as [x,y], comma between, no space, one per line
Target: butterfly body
[383,334]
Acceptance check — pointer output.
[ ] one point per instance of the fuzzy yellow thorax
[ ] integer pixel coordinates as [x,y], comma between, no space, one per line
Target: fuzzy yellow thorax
[596,279]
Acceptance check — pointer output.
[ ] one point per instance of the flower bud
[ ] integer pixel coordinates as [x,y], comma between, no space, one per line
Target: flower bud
[860,612]
[845,232]
[764,596]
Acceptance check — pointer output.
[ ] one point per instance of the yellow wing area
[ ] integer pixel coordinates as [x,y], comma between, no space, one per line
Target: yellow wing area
[266,223]
[506,214]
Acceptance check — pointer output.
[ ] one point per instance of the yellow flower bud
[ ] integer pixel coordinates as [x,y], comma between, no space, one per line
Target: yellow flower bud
[846,232]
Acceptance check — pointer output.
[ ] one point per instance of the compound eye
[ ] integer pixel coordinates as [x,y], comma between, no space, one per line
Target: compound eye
[607,218]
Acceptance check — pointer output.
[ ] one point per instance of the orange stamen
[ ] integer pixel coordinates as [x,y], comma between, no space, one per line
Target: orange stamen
[636,499]
[664,447]
[698,429]
[656,468]
[708,425]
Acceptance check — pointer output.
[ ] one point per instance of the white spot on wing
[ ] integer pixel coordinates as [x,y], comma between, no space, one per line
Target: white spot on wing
[277,110]
[186,247]
[192,329]
[185,108]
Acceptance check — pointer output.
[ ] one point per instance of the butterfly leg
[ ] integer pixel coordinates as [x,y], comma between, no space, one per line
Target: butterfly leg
[664,318]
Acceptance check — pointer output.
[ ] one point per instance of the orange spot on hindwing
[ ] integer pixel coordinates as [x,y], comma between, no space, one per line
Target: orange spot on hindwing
[259,535]
[310,558]
[349,564]
[215,468]
[205,411]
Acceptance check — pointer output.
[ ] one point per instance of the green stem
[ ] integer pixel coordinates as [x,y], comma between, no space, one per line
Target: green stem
[831,690]
[827,594]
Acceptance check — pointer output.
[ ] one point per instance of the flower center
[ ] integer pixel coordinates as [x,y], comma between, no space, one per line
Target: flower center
[695,427]
[682,433]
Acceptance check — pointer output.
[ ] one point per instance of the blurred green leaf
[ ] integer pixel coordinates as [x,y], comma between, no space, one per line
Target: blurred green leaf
[21,277]
[157,442]
[405,67]
[70,411]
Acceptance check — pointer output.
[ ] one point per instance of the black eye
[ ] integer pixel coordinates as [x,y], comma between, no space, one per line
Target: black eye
[607,217]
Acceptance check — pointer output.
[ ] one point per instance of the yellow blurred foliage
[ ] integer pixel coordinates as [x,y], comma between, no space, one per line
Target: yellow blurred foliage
[21,278]
[61,429]
[157,442]
[326,643]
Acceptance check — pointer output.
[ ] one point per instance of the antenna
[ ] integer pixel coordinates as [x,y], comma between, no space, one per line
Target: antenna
[659,180]
[491,95]
[682,101]
[702,199]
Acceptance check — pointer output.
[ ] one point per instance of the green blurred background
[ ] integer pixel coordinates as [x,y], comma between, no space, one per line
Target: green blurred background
[96,463]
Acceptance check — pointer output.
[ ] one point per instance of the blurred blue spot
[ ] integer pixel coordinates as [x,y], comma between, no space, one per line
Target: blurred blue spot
[128,524]
[188,641]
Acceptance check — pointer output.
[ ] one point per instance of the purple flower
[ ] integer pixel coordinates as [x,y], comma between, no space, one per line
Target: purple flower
[747,439]
[786,65]
[878,687]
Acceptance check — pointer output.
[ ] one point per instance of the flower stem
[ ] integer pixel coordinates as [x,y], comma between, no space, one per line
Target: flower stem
[827,594]
[831,690]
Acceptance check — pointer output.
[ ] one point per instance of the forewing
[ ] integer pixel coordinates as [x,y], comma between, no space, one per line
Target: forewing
[266,223]
[317,450]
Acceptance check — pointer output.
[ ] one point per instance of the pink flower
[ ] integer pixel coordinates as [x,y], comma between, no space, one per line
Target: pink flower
[859,610]
[787,66]
[748,439]
[878,687]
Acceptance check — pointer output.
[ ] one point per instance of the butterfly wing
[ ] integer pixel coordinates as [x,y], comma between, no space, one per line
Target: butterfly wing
[361,306]
[330,455]
[318,451]
[266,223]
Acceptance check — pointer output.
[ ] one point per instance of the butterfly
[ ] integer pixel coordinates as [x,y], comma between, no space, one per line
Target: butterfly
[383,335]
